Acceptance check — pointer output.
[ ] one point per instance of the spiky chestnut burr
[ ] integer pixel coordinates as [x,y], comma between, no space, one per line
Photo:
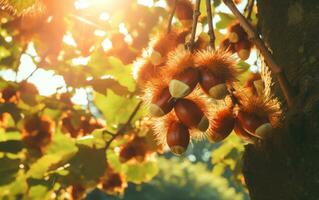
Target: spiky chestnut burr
[254,84]
[144,70]
[257,114]
[217,69]
[236,33]
[184,11]
[181,72]
[222,125]
[163,44]
[226,45]
[243,48]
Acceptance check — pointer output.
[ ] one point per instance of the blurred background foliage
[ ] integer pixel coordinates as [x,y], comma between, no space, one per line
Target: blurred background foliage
[71,61]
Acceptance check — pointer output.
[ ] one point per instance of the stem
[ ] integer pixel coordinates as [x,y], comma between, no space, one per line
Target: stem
[124,127]
[31,74]
[169,26]
[196,14]
[210,25]
[249,8]
[88,106]
[282,80]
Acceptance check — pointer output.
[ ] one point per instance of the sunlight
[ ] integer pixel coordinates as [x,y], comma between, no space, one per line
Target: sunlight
[8,74]
[104,16]
[148,3]
[47,82]
[69,40]
[123,29]
[81,4]
[80,97]
[8,39]
[81,60]
[99,33]
[106,44]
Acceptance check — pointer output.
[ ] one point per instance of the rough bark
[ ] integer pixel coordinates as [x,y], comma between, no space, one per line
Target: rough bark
[286,165]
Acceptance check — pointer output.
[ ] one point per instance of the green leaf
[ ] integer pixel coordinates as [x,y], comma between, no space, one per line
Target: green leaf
[141,172]
[19,186]
[8,169]
[101,85]
[94,140]
[38,192]
[4,52]
[58,153]
[216,3]
[88,165]
[11,146]
[100,65]
[21,7]
[12,110]
[42,165]
[62,145]
[225,20]
[116,109]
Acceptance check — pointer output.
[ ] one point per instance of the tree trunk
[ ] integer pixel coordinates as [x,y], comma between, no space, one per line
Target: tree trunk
[286,165]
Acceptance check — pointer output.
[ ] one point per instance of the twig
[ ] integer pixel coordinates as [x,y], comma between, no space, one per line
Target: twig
[108,132]
[124,127]
[169,26]
[249,8]
[196,14]
[87,22]
[210,25]
[31,74]
[88,106]
[276,70]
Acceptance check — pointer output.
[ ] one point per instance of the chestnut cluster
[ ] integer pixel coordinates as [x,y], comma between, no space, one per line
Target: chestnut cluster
[24,91]
[37,132]
[237,41]
[77,125]
[257,112]
[9,94]
[112,182]
[171,91]
[168,88]
[252,113]
[184,11]
[180,85]
[138,148]
[4,118]
[174,96]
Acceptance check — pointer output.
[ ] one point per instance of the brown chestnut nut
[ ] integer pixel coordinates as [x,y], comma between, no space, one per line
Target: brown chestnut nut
[178,138]
[184,83]
[162,104]
[190,114]
[212,85]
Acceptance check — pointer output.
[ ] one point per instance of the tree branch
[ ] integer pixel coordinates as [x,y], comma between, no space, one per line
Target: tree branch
[210,25]
[124,127]
[277,71]
[169,26]
[196,14]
